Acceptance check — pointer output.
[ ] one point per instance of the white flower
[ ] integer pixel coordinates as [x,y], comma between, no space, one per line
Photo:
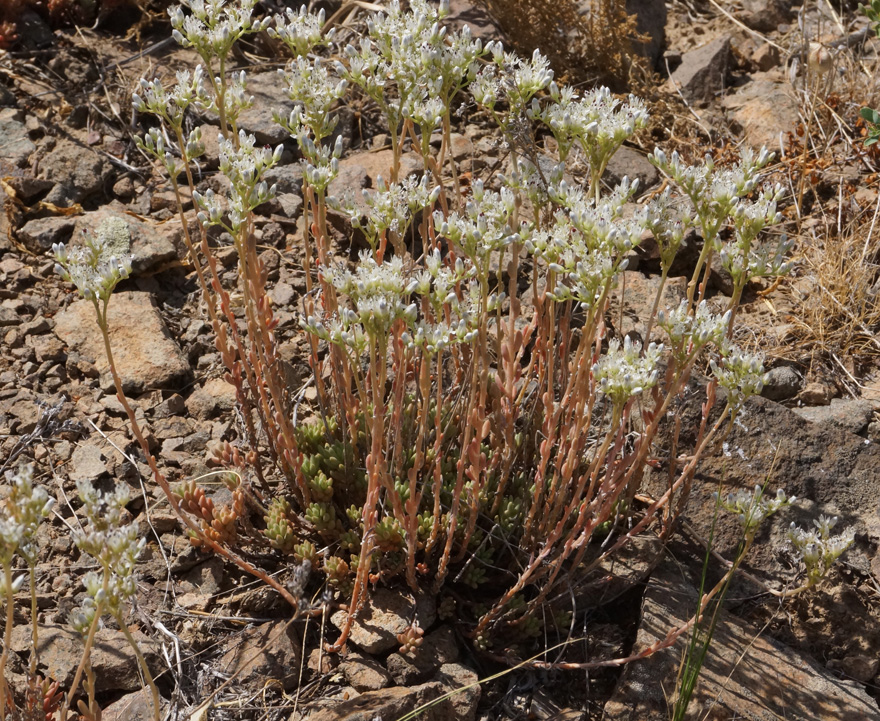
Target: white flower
[752,507]
[624,371]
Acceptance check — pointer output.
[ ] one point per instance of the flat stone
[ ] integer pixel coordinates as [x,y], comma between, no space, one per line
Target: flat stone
[40,234]
[389,703]
[364,673]
[15,145]
[270,652]
[703,72]
[379,164]
[851,415]
[146,355]
[79,173]
[386,614]
[217,395]
[746,674]
[113,660]
[269,97]
[631,164]
[87,463]
[764,110]
[137,706]
[464,681]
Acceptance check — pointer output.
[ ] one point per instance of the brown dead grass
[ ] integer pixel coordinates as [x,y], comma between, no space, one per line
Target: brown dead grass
[585,42]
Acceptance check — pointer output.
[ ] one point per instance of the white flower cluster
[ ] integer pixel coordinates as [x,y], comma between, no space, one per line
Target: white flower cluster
[741,258]
[314,89]
[301,31]
[664,217]
[739,373]
[483,227]
[624,371]
[388,207]
[690,332]
[817,548]
[95,267]
[172,105]
[26,506]
[116,546]
[587,241]
[379,296]
[598,123]
[410,65]
[713,192]
[213,27]
[752,507]
[244,166]
[510,78]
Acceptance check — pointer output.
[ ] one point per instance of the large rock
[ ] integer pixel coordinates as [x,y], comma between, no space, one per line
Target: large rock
[386,614]
[746,675]
[78,171]
[146,355]
[703,72]
[388,703]
[764,110]
[269,653]
[113,660]
[15,145]
[40,234]
[269,97]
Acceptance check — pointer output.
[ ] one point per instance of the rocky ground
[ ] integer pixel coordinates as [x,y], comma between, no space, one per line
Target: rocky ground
[727,73]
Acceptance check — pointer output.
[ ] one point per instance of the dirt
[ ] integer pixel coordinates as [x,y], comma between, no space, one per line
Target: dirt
[68,161]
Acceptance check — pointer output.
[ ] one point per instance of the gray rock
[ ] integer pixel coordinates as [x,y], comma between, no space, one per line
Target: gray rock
[781,383]
[269,97]
[464,681]
[146,355]
[765,15]
[270,652]
[481,23]
[217,395]
[113,660]
[364,673]
[79,173]
[287,178]
[764,110]
[703,72]
[386,614]
[852,415]
[7,98]
[137,706]
[9,317]
[87,463]
[639,292]
[388,703]
[720,277]
[632,164]
[745,675]
[15,146]
[38,235]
